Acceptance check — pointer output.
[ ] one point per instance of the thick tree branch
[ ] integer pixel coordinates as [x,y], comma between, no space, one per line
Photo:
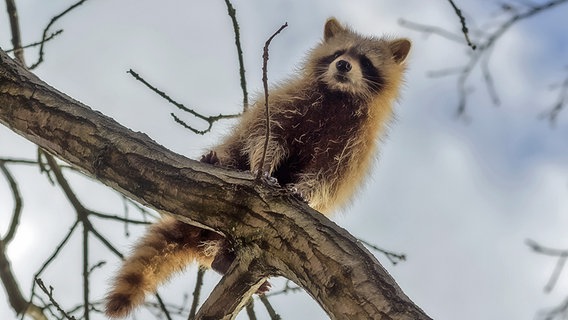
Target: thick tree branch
[293,240]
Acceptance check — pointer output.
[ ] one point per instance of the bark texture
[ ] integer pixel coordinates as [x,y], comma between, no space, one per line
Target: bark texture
[273,232]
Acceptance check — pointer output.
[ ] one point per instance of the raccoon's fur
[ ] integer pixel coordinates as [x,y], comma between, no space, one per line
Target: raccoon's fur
[325,123]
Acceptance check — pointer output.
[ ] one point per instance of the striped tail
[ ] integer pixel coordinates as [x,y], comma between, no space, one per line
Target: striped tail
[168,247]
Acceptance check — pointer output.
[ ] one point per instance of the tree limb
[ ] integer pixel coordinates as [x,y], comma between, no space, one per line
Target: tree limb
[266,225]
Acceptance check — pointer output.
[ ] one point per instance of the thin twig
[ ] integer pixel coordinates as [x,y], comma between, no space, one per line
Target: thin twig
[266,108]
[483,50]
[35,44]
[18,161]
[56,252]
[118,218]
[426,29]
[11,285]
[562,256]
[250,309]
[488,78]
[49,293]
[106,242]
[559,312]
[51,22]
[15,28]
[552,114]
[196,293]
[394,258]
[269,308]
[163,307]
[209,119]
[86,315]
[464,26]
[233,14]
[16,213]
[287,289]
[43,167]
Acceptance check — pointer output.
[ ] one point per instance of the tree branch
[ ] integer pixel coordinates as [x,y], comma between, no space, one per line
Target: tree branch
[266,108]
[209,119]
[296,242]
[484,49]
[45,37]
[17,300]
[465,30]
[15,28]
[17,204]
[233,15]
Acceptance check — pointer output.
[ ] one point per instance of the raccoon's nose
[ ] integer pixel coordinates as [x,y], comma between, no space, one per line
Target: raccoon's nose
[343,66]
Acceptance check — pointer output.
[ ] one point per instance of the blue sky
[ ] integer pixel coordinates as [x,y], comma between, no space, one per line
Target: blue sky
[459,198]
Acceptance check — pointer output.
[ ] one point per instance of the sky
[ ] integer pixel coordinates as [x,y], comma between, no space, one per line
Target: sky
[460,197]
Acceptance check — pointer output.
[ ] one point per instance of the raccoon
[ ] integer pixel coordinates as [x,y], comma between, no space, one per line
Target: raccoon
[324,126]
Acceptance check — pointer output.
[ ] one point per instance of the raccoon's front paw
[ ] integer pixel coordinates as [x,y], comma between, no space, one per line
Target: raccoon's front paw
[210,158]
[296,192]
[266,177]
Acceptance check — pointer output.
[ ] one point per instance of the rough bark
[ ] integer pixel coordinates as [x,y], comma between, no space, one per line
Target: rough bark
[273,232]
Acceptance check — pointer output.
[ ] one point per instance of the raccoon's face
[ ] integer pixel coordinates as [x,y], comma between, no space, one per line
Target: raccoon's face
[350,71]
[359,66]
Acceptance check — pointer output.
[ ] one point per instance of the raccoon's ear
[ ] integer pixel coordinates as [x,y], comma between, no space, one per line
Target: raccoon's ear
[332,28]
[400,49]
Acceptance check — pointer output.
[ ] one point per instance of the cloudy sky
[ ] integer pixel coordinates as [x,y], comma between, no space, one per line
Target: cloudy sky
[460,198]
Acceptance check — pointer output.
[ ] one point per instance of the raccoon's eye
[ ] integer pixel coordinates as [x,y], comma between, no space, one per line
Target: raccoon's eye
[338,53]
[366,63]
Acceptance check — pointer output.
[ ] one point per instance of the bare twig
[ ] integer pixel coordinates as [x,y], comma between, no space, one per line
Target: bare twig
[428,30]
[15,28]
[18,161]
[118,218]
[43,167]
[107,243]
[233,14]
[56,252]
[559,312]
[265,85]
[17,204]
[394,258]
[562,255]
[11,286]
[485,44]
[35,44]
[464,26]
[163,306]
[209,119]
[250,309]
[49,293]
[86,283]
[196,293]
[287,289]
[552,114]
[45,31]
[269,308]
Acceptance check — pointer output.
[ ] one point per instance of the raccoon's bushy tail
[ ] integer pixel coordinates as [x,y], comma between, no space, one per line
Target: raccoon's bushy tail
[167,248]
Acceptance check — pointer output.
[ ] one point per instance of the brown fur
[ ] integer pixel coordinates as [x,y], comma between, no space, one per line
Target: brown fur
[325,123]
